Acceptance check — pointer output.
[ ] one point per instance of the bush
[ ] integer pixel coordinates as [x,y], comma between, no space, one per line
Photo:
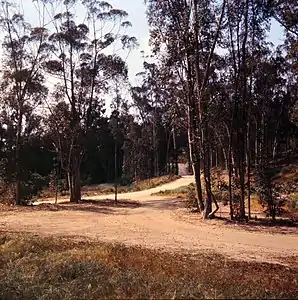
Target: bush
[126,180]
[33,186]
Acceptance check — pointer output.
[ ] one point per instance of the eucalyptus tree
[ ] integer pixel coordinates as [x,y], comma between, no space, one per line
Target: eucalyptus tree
[23,83]
[190,31]
[80,62]
[218,52]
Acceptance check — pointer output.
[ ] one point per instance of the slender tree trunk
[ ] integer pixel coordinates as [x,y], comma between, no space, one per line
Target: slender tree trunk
[242,187]
[225,159]
[207,168]
[216,158]
[71,186]
[17,159]
[175,153]
[230,181]
[248,149]
[77,186]
[168,154]
[193,142]
[116,165]
[248,158]
[256,145]
[195,160]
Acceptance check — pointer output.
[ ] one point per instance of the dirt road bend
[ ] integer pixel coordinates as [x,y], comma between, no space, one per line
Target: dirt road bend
[156,222]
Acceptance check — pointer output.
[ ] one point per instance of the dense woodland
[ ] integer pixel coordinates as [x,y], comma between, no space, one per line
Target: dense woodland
[215,92]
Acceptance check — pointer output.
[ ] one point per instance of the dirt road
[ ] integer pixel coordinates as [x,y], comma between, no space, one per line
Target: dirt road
[157,222]
[140,196]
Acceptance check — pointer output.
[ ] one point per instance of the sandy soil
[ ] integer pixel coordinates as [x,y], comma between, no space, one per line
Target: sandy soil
[154,222]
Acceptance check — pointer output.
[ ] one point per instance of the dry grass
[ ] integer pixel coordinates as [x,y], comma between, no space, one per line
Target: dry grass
[32,267]
[187,193]
[287,172]
[182,191]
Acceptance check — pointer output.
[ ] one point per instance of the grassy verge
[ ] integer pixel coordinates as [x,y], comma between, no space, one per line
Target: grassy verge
[182,191]
[47,268]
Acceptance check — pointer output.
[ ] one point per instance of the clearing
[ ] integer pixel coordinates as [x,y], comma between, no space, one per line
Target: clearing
[154,222]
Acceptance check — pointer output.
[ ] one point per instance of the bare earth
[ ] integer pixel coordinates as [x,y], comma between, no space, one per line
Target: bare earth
[157,222]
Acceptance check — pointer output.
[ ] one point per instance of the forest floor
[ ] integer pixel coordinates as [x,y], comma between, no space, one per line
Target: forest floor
[154,222]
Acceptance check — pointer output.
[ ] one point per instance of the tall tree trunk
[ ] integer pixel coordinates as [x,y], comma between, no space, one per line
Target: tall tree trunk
[175,153]
[194,158]
[168,163]
[116,164]
[248,159]
[17,158]
[75,176]
[230,180]
[193,130]
[207,168]
[77,186]
[197,172]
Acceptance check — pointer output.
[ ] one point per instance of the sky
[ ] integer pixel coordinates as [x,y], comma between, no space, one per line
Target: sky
[137,16]
[140,29]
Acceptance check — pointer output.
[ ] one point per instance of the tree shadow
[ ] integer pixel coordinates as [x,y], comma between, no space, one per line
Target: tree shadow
[165,204]
[281,226]
[121,203]
[96,206]
[75,207]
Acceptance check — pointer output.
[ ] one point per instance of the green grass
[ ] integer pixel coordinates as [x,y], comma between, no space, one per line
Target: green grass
[33,267]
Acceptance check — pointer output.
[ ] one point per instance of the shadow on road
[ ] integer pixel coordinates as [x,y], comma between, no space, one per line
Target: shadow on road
[95,206]
[165,204]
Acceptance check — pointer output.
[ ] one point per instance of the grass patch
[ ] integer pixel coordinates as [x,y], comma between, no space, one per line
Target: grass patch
[152,183]
[187,192]
[182,191]
[33,267]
